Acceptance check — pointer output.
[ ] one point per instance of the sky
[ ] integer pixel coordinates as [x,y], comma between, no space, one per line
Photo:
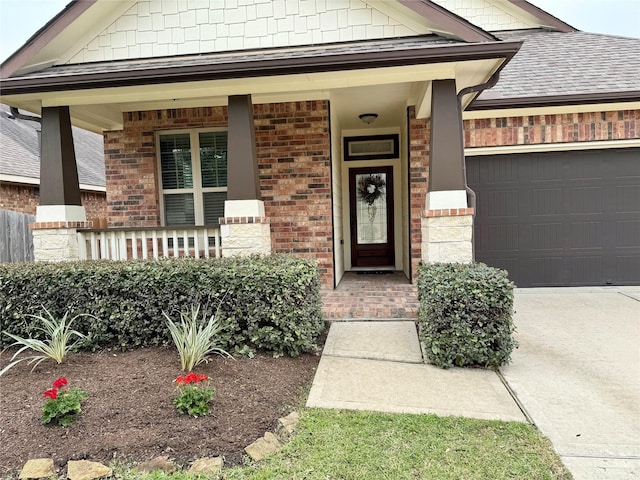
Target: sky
[19,19]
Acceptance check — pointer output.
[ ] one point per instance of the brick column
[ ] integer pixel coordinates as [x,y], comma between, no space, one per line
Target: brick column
[56,241]
[447,235]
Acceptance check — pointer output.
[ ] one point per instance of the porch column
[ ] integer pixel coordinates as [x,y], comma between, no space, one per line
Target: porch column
[59,186]
[244,228]
[60,212]
[447,222]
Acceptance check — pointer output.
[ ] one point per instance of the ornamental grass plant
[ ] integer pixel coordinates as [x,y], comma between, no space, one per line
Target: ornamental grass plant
[196,339]
[55,346]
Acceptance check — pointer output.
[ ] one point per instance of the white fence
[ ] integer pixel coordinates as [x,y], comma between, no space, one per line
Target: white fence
[130,243]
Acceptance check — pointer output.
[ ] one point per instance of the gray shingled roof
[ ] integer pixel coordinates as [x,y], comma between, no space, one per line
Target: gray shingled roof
[266,54]
[20,151]
[557,63]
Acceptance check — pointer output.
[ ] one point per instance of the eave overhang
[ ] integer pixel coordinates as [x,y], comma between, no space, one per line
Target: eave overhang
[554,100]
[543,17]
[33,181]
[45,35]
[448,20]
[43,82]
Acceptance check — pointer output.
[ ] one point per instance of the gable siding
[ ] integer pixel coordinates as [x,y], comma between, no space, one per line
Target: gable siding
[155,28]
[484,14]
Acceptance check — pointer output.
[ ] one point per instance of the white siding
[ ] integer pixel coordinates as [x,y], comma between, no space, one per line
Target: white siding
[484,14]
[170,27]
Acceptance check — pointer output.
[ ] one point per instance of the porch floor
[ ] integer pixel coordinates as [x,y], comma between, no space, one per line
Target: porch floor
[371,296]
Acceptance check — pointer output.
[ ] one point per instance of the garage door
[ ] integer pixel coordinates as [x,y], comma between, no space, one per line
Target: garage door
[559,218]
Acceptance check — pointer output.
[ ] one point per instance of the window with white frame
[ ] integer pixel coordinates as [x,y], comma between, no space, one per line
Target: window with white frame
[193,173]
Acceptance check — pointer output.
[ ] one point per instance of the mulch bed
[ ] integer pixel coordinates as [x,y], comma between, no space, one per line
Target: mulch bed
[129,415]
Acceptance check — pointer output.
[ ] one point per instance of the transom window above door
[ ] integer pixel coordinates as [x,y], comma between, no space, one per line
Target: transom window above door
[193,173]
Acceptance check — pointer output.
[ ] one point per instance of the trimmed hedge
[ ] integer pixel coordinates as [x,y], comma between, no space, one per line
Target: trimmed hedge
[465,314]
[271,303]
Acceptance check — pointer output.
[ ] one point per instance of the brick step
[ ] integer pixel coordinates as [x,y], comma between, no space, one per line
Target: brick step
[371,297]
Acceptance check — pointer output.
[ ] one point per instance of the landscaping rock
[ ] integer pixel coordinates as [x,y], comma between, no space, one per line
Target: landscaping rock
[263,446]
[158,463]
[38,468]
[207,466]
[85,470]
[289,422]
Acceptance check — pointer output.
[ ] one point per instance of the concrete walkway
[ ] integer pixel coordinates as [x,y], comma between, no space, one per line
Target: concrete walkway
[576,375]
[378,366]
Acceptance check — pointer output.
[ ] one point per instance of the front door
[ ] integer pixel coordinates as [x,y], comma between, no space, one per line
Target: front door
[371,207]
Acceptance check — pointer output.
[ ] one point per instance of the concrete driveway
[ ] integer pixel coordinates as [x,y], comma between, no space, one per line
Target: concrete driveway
[577,375]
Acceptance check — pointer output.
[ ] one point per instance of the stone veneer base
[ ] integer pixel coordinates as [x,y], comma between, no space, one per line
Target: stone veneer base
[245,236]
[56,241]
[447,235]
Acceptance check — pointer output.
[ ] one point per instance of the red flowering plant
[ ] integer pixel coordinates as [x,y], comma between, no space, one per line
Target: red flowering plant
[61,404]
[194,394]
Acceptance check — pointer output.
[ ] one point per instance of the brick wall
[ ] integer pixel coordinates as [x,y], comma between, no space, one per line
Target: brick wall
[561,128]
[25,199]
[19,198]
[293,148]
[419,138]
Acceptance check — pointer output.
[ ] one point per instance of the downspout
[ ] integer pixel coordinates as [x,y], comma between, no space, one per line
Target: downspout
[471,195]
[21,116]
[15,113]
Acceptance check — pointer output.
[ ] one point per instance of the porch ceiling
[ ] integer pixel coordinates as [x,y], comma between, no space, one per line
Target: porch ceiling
[386,91]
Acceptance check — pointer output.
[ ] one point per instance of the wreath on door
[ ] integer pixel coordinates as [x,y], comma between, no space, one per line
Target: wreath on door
[371,188]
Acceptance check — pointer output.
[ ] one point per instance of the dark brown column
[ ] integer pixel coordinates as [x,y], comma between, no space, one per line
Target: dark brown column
[58,170]
[446,157]
[243,182]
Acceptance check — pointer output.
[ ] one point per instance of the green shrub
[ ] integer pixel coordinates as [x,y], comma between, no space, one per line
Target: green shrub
[268,303]
[465,314]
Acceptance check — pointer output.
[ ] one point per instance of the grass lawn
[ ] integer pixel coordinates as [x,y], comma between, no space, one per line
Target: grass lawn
[347,445]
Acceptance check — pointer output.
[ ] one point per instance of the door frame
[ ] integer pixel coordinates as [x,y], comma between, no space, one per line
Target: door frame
[352,172]
[397,214]
[340,179]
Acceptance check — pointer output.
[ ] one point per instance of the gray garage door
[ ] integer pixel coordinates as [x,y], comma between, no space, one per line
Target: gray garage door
[559,218]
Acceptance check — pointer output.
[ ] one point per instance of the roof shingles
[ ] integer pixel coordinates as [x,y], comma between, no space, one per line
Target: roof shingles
[217,58]
[20,150]
[571,63]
